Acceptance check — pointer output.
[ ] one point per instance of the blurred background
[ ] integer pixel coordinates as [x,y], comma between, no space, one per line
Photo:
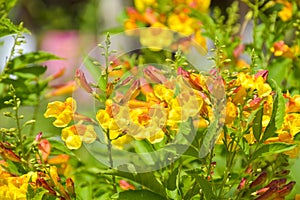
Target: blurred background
[70,29]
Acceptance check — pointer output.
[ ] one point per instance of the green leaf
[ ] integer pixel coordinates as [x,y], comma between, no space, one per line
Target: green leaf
[92,68]
[279,147]
[36,194]
[102,83]
[278,69]
[206,188]
[139,194]
[35,70]
[257,124]
[147,179]
[143,147]
[178,149]
[209,139]
[278,113]
[6,6]
[59,147]
[31,58]
[14,167]
[297,137]
[272,148]
[171,184]
[39,194]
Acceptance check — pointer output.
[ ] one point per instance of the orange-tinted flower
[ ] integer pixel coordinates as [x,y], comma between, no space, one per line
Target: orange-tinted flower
[293,104]
[124,185]
[58,74]
[61,162]
[281,49]
[67,88]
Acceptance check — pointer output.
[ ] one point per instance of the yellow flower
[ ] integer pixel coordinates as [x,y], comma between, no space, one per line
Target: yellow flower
[231,112]
[74,135]
[163,93]
[14,187]
[73,142]
[245,81]
[103,118]
[141,5]
[287,11]
[263,89]
[62,111]
[182,23]
[122,141]
[156,37]
[201,41]
[201,5]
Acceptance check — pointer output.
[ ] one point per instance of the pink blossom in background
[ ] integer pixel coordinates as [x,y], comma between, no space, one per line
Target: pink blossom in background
[67,45]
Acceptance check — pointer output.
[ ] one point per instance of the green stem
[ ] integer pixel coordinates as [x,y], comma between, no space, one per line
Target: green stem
[34,117]
[229,165]
[111,162]
[19,129]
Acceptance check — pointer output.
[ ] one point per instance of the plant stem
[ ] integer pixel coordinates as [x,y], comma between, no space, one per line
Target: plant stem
[229,165]
[34,117]
[19,129]
[111,162]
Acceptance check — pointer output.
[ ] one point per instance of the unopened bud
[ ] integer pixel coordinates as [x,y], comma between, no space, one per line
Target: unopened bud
[259,180]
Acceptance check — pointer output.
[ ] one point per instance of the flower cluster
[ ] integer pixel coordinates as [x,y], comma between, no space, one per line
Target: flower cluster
[167,103]
[73,135]
[291,125]
[173,15]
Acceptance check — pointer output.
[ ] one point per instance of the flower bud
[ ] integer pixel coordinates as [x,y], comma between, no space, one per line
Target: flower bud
[125,185]
[259,180]
[81,80]
[70,186]
[154,74]
[242,183]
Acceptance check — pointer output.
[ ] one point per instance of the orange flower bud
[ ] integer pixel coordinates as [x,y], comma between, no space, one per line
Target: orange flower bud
[125,185]
[67,88]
